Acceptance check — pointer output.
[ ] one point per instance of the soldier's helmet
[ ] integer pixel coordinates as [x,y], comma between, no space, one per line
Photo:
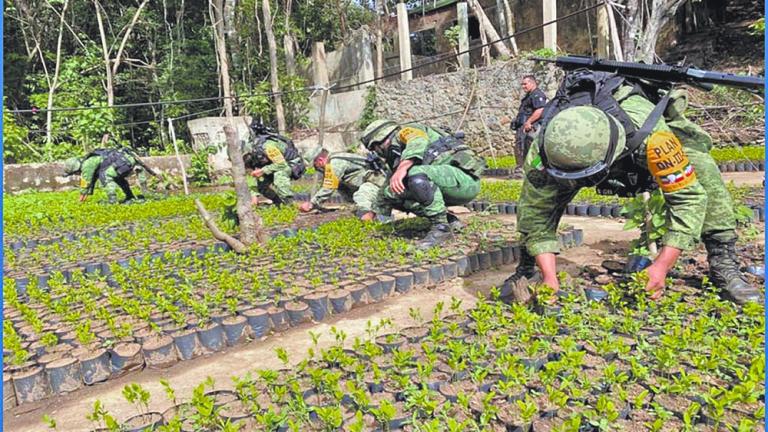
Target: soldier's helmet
[377,132]
[580,137]
[71,166]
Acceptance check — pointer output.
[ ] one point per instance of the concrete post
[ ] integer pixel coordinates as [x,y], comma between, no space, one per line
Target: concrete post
[603,32]
[550,31]
[404,40]
[366,72]
[463,19]
[319,67]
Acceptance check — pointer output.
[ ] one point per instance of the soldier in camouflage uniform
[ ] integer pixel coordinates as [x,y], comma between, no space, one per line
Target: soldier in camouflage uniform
[111,167]
[350,174]
[584,146]
[431,170]
[274,162]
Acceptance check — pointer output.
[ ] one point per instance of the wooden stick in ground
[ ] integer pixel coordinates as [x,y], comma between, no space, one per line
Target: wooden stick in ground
[321,120]
[469,103]
[218,234]
[172,131]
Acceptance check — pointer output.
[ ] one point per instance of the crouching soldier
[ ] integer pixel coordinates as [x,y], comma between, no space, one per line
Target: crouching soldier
[355,177]
[431,170]
[274,161]
[110,166]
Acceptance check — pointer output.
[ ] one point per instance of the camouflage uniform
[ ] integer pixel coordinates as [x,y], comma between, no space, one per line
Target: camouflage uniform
[269,155]
[350,175]
[111,167]
[441,176]
[697,202]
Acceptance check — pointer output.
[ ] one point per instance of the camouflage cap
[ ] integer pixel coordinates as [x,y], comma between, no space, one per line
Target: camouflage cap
[377,132]
[71,166]
[579,137]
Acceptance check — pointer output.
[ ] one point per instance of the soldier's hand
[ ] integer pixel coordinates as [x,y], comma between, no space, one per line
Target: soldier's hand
[305,207]
[396,182]
[255,200]
[527,127]
[83,197]
[657,276]
[257,173]
[368,216]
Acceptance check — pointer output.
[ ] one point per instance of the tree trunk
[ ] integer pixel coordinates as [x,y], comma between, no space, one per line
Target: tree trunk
[379,40]
[250,223]
[342,19]
[641,32]
[488,29]
[273,77]
[55,81]
[510,26]
[105,51]
[126,35]
[290,57]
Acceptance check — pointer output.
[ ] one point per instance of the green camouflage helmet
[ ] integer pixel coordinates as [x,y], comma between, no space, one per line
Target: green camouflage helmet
[579,137]
[71,166]
[377,131]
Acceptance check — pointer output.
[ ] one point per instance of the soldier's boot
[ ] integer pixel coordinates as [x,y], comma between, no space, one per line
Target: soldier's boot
[724,272]
[272,196]
[515,287]
[455,223]
[438,234]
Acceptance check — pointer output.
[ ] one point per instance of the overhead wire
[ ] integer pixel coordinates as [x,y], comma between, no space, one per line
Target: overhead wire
[439,59]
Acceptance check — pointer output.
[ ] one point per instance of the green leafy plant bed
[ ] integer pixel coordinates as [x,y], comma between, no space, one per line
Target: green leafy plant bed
[157,311]
[682,363]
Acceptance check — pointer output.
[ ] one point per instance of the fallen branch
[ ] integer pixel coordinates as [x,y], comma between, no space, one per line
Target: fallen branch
[218,234]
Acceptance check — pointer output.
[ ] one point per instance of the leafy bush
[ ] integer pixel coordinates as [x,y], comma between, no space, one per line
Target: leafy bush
[735,154]
[503,162]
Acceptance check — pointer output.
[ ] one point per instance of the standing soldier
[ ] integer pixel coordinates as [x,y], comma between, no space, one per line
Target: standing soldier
[602,130]
[350,174]
[528,117]
[110,166]
[431,170]
[274,162]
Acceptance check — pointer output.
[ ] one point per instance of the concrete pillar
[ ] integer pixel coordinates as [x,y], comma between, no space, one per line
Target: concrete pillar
[550,31]
[319,67]
[404,40]
[463,19]
[603,32]
[366,72]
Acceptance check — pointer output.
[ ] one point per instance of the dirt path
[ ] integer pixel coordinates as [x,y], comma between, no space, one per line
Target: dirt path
[69,411]
[745,178]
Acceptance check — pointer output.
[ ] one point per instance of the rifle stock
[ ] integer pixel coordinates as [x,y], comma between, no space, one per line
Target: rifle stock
[658,72]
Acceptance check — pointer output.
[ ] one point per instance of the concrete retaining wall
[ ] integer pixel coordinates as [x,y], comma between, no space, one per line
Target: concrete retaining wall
[48,176]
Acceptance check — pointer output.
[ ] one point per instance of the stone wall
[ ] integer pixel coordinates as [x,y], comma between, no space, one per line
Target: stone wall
[440,100]
[47,176]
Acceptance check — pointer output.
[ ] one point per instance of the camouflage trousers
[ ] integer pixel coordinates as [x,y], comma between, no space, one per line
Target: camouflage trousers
[452,186]
[112,181]
[277,186]
[719,220]
[364,197]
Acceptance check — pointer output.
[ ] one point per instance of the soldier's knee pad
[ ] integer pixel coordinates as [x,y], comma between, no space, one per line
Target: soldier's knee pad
[421,189]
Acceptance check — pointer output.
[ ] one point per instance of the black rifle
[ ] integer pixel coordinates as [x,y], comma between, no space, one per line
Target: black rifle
[136,156]
[659,73]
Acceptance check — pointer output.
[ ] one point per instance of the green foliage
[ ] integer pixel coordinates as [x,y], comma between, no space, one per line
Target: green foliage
[757,28]
[636,210]
[451,34]
[14,139]
[503,162]
[200,170]
[735,154]
[369,111]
